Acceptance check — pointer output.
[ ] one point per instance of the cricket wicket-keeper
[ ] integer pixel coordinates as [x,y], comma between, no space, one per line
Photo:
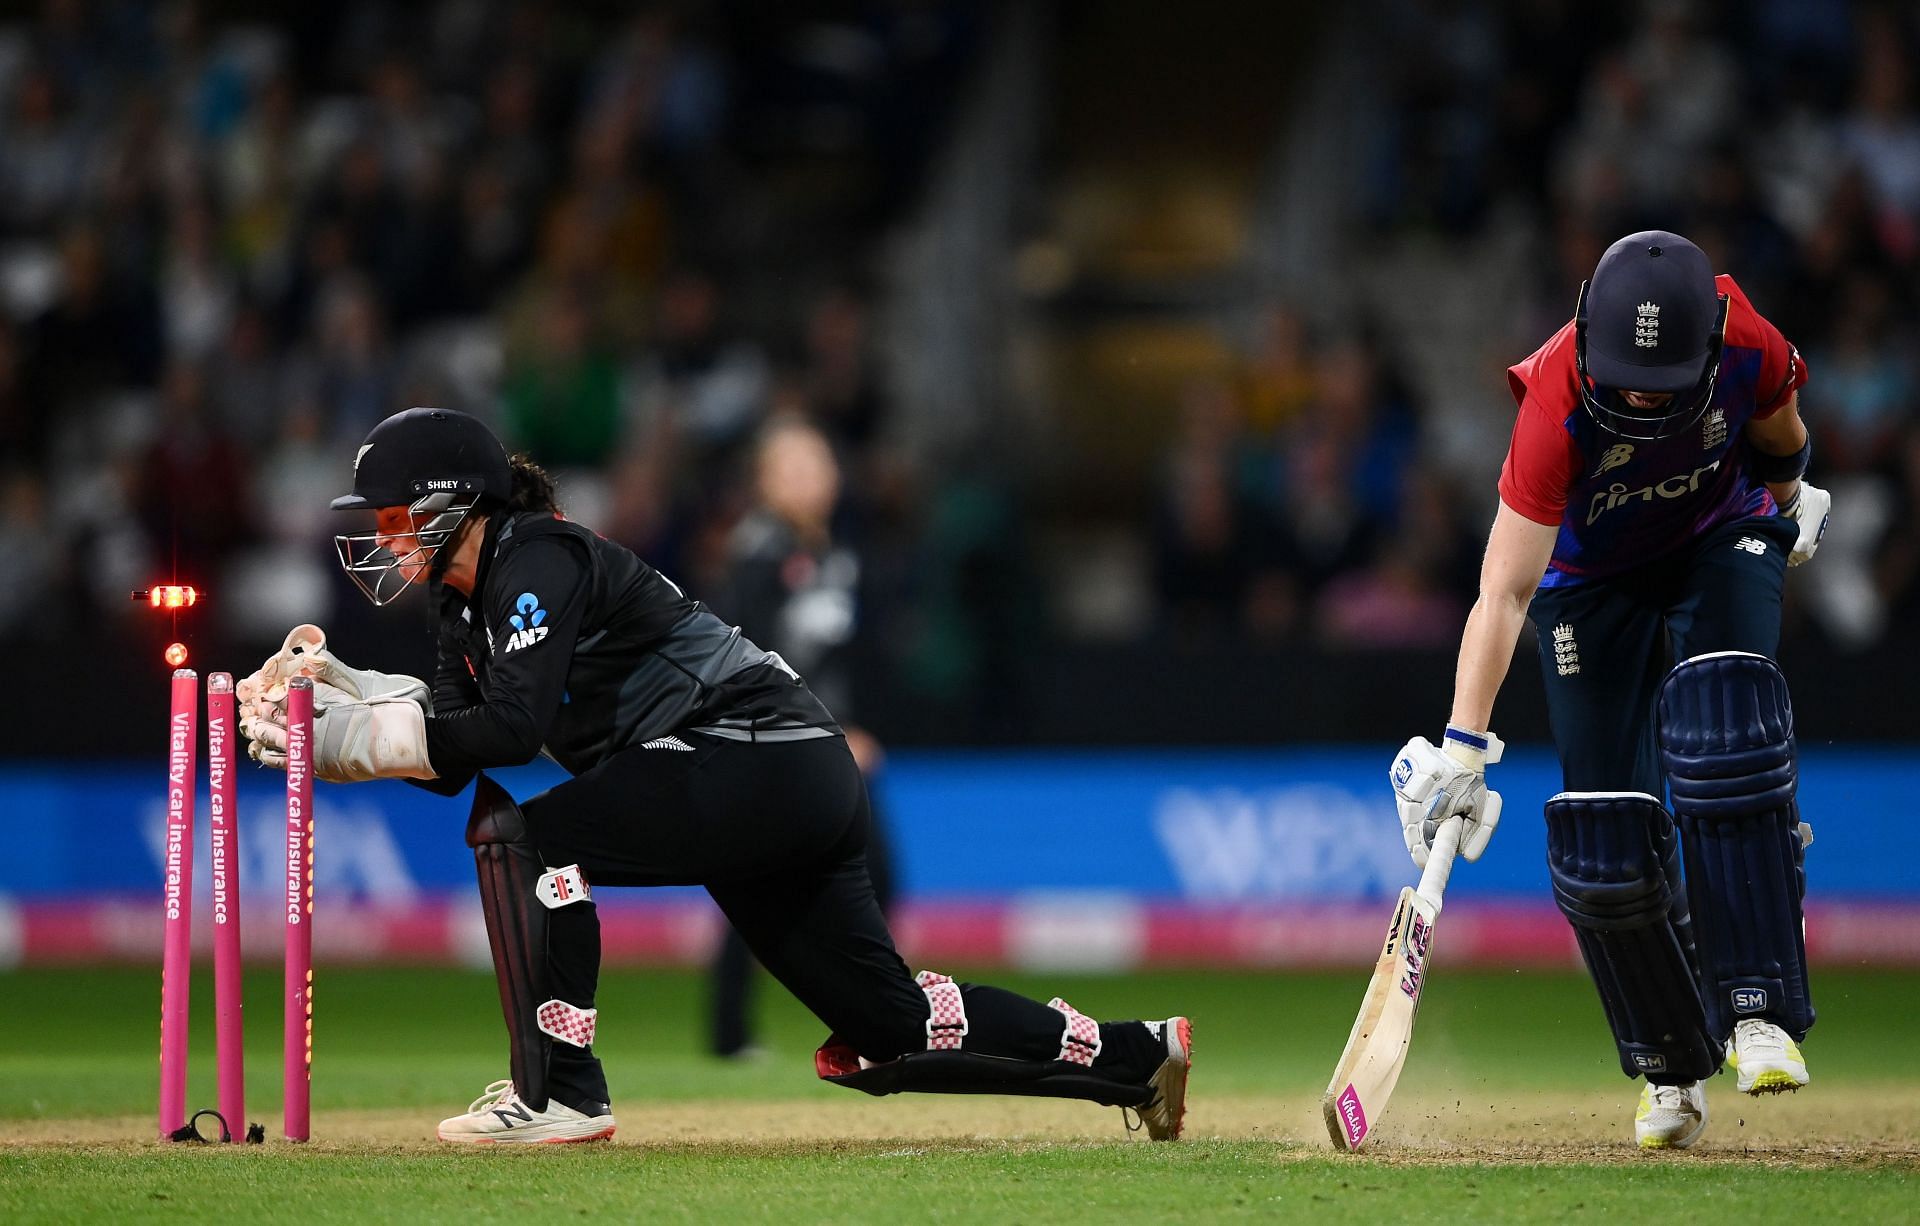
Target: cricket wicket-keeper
[1651,502]
[695,758]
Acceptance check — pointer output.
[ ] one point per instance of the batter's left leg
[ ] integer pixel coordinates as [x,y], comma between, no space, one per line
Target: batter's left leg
[1726,738]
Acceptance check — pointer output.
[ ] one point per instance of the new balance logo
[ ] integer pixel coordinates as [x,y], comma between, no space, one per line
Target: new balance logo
[1616,455]
[509,1115]
[1751,544]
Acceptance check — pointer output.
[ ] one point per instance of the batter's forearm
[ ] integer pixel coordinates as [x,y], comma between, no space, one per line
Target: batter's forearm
[1486,648]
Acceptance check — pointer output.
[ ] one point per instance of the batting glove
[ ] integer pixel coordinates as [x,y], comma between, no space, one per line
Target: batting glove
[1809,507]
[1432,783]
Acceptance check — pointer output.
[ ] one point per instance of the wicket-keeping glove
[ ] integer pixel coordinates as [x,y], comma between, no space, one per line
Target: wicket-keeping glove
[305,654]
[353,741]
[1431,784]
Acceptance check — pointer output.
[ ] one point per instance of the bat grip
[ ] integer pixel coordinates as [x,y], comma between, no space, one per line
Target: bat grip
[1446,845]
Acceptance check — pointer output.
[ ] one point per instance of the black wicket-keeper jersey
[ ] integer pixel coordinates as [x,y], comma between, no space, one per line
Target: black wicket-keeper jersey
[573,646]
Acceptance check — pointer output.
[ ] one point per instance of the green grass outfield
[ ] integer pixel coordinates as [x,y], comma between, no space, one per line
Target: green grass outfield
[1511,1108]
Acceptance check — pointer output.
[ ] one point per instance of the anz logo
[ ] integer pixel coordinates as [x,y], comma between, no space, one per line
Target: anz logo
[526,622]
[1673,487]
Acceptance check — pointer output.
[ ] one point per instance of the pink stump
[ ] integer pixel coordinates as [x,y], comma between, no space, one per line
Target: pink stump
[176,966]
[223,840]
[299,909]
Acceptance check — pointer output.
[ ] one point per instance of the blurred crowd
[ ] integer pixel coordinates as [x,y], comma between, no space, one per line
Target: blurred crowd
[234,237]
[1297,506]
[637,240]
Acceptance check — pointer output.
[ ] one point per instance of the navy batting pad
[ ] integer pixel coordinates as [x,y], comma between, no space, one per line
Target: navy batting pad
[1726,739]
[1615,863]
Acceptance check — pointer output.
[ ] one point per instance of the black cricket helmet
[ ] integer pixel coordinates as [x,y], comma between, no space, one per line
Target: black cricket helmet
[1650,320]
[440,463]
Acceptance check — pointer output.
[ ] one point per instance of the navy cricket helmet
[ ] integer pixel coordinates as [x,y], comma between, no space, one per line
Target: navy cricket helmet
[1650,320]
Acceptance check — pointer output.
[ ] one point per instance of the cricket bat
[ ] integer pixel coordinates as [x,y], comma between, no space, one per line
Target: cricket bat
[1362,1082]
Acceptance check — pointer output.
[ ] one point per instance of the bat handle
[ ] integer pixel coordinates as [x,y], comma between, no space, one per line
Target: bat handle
[1446,845]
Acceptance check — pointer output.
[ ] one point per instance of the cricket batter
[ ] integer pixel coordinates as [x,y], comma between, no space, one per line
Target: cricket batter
[695,758]
[1651,501]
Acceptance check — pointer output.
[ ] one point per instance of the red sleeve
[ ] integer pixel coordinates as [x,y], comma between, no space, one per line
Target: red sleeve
[1541,465]
[1782,371]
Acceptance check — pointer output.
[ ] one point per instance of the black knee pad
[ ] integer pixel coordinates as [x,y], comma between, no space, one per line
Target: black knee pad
[1615,864]
[517,893]
[1726,739]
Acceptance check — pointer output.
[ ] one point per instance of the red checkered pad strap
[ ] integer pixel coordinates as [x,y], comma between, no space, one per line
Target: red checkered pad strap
[568,1023]
[1080,1040]
[946,1013]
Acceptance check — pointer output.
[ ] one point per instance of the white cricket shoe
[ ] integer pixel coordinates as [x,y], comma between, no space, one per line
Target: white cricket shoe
[499,1116]
[1764,1060]
[1670,1117]
[1166,1111]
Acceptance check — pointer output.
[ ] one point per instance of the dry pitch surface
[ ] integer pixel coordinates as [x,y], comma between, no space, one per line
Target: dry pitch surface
[1842,1127]
[1512,1108]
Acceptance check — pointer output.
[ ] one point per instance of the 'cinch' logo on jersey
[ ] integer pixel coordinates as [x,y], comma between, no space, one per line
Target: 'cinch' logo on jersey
[1617,455]
[525,621]
[1673,487]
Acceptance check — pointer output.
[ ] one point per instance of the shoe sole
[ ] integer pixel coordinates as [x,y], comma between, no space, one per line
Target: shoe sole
[1169,1082]
[604,1134]
[1774,1081]
[1784,1078]
[1678,1142]
[1681,1142]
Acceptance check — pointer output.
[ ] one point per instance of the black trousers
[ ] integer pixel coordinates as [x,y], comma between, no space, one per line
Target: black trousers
[1606,645]
[730,979]
[777,833]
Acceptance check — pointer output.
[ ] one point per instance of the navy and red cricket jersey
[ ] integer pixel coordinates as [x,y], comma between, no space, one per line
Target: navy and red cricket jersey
[1621,502]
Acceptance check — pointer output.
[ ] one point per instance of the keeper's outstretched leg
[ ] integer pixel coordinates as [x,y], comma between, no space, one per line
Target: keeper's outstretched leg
[824,938]
[1013,1023]
[545,936]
